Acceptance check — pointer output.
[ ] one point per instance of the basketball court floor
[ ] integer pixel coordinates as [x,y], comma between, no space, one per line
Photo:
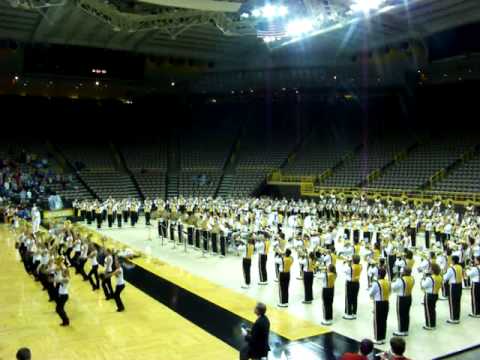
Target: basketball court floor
[184,305]
[226,273]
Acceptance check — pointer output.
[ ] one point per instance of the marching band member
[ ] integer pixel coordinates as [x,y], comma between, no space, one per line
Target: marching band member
[454,277]
[372,270]
[98,214]
[285,263]
[473,274]
[93,273]
[147,210]
[110,213]
[380,293]
[63,281]
[403,286]
[119,285]
[352,273]
[247,250]
[106,280]
[431,284]
[82,259]
[309,267]
[118,209]
[262,247]
[328,278]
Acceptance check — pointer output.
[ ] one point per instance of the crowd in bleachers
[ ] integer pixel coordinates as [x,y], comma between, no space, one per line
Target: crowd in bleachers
[27,178]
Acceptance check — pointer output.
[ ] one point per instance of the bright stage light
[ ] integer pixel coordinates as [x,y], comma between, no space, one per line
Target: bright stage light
[270,11]
[256,13]
[282,10]
[366,5]
[299,27]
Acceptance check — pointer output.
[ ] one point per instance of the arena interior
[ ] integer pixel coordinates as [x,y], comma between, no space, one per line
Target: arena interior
[169,168]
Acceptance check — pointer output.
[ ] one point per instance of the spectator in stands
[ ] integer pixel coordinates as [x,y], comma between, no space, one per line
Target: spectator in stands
[257,336]
[397,349]
[24,354]
[365,349]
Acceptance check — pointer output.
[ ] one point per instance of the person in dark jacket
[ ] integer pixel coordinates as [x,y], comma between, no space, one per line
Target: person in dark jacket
[257,336]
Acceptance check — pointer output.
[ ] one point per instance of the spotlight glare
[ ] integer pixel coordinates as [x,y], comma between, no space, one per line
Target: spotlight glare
[282,10]
[299,27]
[366,6]
[97,83]
[256,13]
[269,11]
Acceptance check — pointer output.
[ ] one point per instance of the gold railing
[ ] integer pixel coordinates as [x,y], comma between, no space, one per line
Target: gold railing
[308,188]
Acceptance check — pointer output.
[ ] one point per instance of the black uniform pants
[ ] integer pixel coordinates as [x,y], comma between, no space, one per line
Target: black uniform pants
[60,309]
[351,302]
[107,286]
[475,298]
[205,239]
[214,239]
[75,261]
[391,263]
[246,265]
[147,218]
[119,219]
[180,233]
[223,245]
[99,220]
[116,296]
[427,239]
[327,298]
[430,308]
[380,315]
[454,301]
[404,304]
[93,277]
[308,285]
[262,268]
[81,267]
[284,280]
[413,236]
[190,232]
[110,220]
[197,238]
[133,217]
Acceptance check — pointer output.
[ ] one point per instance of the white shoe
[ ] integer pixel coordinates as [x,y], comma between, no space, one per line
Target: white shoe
[379,342]
[398,333]
[453,322]
[306,302]
[348,317]
[474,316]
[263,283]
[428,328]
[245,286]
[282,305]
[327,323]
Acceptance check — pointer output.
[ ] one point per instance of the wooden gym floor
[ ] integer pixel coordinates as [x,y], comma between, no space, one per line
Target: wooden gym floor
[146,330]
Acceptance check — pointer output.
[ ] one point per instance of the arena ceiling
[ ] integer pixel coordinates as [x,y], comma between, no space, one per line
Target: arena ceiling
[209,29]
